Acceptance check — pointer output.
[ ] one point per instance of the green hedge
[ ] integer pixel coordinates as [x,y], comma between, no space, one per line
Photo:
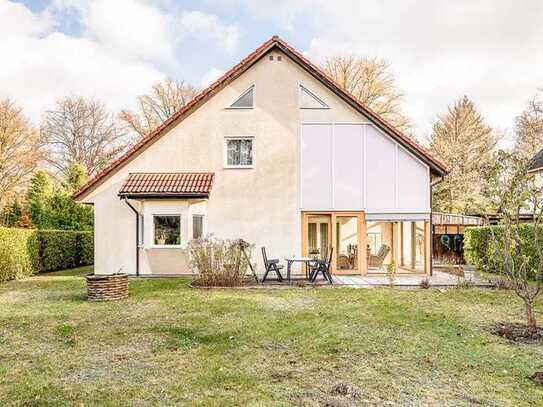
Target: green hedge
[19,253]
[479,249]
[25,251]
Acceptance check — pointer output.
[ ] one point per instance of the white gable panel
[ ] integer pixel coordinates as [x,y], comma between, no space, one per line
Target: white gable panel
[380,171]
[348,166]
[316,166]
[413,183]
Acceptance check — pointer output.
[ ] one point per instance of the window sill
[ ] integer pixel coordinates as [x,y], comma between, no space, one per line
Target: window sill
[166,246]
[238,167]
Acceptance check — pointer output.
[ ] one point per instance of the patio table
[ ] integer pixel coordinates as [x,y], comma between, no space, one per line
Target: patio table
[299,259]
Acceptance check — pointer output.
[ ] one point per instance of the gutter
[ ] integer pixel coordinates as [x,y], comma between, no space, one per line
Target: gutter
[437,181]
[137,235]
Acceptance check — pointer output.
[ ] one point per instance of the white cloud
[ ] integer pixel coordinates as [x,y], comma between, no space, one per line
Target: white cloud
[40,65]
[439,49]
[196,22]
[211,76]
[17,20]
[120,52]
[131,27]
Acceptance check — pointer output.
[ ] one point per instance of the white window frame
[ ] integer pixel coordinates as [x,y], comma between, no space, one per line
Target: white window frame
[141,227]
[168,246]
[253,87]
[301,88]
[201,215]
[225,152]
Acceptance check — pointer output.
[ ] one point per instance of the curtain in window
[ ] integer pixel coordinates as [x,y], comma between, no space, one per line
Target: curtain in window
[240,152]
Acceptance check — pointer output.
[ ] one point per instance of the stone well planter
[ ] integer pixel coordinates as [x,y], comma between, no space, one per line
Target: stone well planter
[107,287]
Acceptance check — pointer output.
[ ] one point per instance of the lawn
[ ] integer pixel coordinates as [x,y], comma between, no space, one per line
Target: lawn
[170,344]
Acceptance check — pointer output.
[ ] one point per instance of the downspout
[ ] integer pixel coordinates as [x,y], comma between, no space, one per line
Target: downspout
[137,236]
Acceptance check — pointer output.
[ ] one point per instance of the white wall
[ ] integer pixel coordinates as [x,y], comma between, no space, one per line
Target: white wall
[357,167]
[260,205]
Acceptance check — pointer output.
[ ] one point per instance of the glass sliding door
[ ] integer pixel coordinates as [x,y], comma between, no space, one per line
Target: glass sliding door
[413,245]
[341,232]
[318,235]
[380,245]
[347,243]
[403,242]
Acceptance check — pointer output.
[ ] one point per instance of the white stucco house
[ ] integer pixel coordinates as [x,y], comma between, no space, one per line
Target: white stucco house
[276,153]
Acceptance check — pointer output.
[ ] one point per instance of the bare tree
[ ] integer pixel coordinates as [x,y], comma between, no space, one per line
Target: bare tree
[81,131]
[529,128]
[515,191]
[370,81]
[465,143]
[165,99]
[20,149]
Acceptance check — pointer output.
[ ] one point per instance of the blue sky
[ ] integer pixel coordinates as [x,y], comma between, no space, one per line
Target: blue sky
[115,50]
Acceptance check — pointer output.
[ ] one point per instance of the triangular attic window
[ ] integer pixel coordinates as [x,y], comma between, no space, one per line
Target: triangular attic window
[246,100]
[309,100]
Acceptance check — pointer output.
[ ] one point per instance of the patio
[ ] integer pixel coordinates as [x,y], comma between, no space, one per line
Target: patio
[439,279]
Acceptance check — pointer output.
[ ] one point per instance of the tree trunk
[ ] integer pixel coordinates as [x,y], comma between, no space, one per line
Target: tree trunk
[530,317]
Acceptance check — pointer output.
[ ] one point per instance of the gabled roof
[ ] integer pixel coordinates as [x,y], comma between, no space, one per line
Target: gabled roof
[275,42]
[536,163]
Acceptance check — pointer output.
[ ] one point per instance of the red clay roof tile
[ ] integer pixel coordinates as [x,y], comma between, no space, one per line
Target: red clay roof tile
[178,183]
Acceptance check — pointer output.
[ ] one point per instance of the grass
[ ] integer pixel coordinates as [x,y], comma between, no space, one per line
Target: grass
[169,344]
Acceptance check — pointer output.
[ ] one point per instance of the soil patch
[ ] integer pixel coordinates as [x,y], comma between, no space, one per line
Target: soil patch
[517,333]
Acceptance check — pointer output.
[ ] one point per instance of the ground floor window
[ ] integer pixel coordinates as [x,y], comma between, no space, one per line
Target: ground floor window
[167,230]
[197,226]
[141,230]
[401,242]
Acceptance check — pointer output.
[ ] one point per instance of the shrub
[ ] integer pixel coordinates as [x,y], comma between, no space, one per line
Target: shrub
[63,249]
[24,252]
[85,248]
[391,273]
[18,253]
[480,250]
[219,262]
[424,284]
[58,249]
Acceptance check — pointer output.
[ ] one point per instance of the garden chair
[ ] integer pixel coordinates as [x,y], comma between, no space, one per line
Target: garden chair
[271,265]
[323,267]
[376,260]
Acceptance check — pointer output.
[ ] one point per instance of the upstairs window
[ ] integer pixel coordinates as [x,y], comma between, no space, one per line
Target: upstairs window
[246,100]
[308,100]
[239,152]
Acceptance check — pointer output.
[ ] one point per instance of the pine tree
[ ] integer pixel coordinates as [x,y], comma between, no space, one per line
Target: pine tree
[39,191]
[465,143]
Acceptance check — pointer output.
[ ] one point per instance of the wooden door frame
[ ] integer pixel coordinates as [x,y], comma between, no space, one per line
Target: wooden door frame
[361,216]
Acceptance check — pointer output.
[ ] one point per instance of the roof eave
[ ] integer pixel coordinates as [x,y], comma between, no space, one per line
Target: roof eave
[162,195]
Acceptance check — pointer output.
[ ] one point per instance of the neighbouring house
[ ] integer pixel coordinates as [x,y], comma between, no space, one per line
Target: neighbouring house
[276,153]
[535,166]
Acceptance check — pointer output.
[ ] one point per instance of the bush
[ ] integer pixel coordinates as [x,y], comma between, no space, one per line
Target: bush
[480,249]
[219,262]
[24,252]
[19,251]
[85,248]
[64,249]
